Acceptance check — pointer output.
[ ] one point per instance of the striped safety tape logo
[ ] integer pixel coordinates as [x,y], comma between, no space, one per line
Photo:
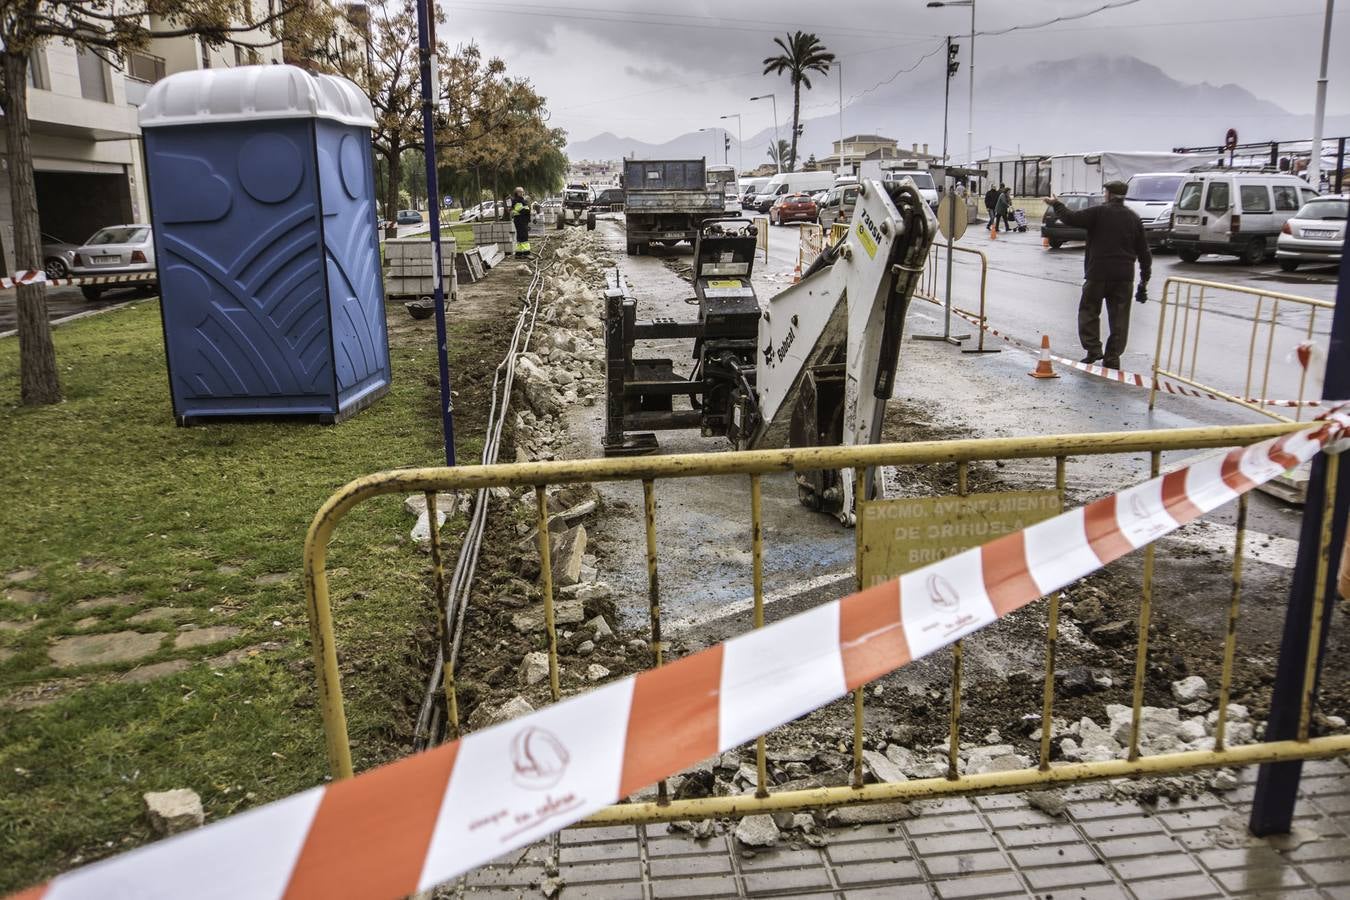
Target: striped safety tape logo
[419,822]
[38,276]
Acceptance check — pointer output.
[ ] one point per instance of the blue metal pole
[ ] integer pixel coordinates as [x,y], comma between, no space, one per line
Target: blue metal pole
[1277,783]
[426,45]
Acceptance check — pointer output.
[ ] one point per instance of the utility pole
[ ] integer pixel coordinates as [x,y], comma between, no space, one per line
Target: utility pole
[740,146]
[1319,114]
[840,67]
[426,45]
[1313,590]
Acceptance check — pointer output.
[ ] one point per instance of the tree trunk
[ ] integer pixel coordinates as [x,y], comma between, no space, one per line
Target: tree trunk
[38,380]
[394,169]
[796,114]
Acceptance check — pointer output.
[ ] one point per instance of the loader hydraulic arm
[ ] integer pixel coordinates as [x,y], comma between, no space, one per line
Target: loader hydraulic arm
[829,345]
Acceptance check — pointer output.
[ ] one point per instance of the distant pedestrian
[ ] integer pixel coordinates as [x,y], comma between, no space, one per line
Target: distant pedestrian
[520,216]
[1115,242]
[990,201]
[1001,204]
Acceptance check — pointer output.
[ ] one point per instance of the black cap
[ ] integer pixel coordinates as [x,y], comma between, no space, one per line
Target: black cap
[1116,187]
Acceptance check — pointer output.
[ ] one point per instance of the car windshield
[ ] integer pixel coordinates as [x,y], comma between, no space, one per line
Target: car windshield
[1154,187]
[119,234]
[1326,210]
[1190,195]
[922,180]
[1076,201]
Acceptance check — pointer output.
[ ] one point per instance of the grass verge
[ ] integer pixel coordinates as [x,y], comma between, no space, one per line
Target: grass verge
[117,521]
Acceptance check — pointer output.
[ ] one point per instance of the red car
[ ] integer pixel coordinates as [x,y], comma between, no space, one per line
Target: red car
[793,208]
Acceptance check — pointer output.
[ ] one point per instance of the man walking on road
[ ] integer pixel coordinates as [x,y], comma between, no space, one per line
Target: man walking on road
[1115,241]
[990,201]
[520,216]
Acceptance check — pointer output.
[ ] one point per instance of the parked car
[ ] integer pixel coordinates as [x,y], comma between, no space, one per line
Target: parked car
[791,183]
[1315,234]
[57,256]
[793,208]
[608,197]
[485,211]
[838,205]
[409,217]
[116,250]
[1235,213]
[1151,196]
[1058,233]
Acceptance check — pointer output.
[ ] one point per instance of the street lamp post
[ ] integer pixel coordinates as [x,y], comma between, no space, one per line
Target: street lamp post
[778,163]
[1315,162]
[970,104]
[740,149]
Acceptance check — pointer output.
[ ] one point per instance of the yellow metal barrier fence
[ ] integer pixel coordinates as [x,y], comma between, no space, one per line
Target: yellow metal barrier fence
[756,464]
[762,235]
[1279,324]
[928,283]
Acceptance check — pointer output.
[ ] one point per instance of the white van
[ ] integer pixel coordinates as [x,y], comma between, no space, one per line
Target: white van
[750,188]
[1234,213]
[792,183]
[1151,195]
[923,182]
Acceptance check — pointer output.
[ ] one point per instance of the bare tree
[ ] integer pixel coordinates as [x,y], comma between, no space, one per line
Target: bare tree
[111,29]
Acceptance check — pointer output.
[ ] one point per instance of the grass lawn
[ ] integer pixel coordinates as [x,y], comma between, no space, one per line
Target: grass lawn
[186,543]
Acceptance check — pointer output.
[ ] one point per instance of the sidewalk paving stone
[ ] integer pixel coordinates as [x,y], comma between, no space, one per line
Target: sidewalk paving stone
[995,846]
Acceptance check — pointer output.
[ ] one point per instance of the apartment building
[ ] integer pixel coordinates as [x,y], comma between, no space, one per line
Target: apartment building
[86,143]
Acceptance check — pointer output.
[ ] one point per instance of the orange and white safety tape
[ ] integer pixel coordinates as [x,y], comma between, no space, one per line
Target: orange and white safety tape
[37,276]
[416,823]
[29,276]
[1134,378]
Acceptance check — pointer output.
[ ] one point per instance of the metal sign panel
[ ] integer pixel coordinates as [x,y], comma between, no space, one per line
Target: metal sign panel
[952,217]
[900,535]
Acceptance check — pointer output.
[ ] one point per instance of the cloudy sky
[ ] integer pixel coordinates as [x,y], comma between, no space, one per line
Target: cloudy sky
[653,70]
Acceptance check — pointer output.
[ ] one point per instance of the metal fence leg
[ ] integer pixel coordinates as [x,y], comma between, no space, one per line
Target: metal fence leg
[1277,783]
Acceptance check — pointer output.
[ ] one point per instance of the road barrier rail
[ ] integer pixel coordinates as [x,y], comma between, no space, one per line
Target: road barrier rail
[39,276]
[1283,328]
[928,288]
[861,463]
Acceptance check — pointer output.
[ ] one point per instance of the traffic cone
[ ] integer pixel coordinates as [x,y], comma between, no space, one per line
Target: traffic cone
[797,272]
[993,234]
[1043,368]
[1045,243]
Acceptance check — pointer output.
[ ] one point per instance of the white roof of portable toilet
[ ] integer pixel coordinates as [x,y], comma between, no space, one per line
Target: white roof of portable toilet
[252,93]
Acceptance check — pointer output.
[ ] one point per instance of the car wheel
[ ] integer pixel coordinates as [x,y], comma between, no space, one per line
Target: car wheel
[1288,265]
[1188,256]
[55,267]
[1254,252]
[91,293]
[1055,243]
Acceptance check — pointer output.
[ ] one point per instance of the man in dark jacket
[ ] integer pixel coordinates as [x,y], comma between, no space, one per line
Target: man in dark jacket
[520,217]
[990,201]
[1115,241]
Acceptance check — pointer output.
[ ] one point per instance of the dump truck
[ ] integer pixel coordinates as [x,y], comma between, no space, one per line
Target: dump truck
[666,201]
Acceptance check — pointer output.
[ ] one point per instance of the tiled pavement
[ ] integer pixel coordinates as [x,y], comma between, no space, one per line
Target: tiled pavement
[992,846]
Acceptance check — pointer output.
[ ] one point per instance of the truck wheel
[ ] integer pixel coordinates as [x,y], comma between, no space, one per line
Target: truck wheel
[590,220]
[1254,252]
[1188,255]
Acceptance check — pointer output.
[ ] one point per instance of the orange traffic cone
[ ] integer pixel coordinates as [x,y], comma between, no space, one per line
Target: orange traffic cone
[797,272]
[993,234]
[1043,368]
[1045,243]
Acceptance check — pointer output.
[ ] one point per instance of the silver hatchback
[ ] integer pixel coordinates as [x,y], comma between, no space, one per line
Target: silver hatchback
[1315,234]
[127,250]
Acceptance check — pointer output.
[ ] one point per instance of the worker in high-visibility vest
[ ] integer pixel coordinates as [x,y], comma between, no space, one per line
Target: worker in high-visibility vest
[520,215]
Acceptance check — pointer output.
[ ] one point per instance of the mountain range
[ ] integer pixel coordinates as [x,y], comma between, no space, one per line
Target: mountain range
[1077,105]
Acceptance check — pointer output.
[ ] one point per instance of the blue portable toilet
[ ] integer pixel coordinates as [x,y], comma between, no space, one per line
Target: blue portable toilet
[262,198]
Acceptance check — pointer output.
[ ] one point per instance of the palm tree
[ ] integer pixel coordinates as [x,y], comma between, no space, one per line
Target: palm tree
[779,154]
[802,53]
